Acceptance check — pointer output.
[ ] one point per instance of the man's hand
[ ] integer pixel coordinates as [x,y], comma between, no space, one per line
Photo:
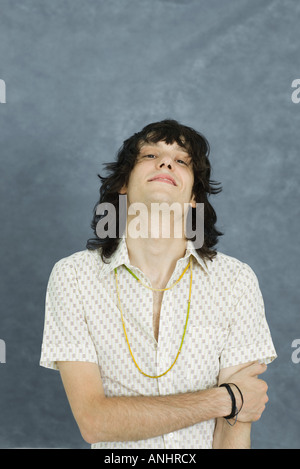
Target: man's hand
[254,391]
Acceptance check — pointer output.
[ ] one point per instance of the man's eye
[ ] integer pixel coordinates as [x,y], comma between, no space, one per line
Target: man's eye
[149,156]
[182,162]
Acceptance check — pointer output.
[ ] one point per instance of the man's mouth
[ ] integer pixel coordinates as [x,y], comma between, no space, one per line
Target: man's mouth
[164,178]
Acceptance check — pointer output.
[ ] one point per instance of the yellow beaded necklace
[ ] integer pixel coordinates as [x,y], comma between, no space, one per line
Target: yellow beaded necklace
[163,289]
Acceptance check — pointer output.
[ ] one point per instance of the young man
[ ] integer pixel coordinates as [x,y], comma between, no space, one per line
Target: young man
[145,329]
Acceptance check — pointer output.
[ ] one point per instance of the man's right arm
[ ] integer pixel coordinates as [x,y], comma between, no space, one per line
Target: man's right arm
[134,418]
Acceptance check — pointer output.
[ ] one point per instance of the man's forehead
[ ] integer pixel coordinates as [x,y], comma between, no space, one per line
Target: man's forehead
[161,144]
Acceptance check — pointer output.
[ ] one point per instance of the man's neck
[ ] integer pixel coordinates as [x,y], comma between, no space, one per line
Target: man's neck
[156,258]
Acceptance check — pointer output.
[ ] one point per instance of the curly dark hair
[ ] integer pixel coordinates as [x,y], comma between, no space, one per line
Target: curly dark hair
[169,131]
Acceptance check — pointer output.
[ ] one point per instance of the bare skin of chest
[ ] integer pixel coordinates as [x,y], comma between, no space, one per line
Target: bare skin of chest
[157,300]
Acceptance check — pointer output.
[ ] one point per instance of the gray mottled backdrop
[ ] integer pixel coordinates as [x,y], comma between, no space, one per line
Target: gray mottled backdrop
[81,76]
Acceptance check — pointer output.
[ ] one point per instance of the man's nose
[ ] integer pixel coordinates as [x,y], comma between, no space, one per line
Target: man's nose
[166,161]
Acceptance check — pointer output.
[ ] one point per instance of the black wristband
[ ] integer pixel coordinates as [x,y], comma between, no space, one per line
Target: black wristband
[234,411]
[242,399]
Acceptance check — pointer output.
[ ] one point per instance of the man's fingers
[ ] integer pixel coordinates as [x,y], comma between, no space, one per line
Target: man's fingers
[257,369]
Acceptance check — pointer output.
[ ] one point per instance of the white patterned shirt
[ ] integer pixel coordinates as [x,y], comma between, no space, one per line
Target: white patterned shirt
[226,327]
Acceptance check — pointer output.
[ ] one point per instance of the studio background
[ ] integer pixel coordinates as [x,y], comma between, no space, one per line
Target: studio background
[81,76]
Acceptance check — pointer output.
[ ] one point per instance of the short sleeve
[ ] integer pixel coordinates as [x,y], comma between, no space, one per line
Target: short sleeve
[249,336]
[66,336]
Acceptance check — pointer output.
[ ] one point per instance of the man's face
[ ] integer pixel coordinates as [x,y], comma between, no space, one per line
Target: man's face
[162,173]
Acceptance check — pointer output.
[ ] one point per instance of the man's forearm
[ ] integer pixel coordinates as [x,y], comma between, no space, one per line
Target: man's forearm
[142,417]
[232,437]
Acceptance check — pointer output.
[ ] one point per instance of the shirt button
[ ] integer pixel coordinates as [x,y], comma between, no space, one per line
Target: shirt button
[171,435]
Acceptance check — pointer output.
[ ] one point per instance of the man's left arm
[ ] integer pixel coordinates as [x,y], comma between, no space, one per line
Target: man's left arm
[225,435]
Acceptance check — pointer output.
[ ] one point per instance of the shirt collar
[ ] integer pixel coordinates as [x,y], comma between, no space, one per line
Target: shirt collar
[120,257]
[190,250]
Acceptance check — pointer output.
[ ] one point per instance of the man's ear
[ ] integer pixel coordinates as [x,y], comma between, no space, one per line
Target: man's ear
[123,190]
[193,202]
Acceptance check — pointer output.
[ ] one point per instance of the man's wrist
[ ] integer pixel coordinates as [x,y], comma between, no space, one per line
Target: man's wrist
[224,402]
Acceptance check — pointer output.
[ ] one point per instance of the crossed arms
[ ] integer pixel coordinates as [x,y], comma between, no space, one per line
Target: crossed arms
[101,418]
